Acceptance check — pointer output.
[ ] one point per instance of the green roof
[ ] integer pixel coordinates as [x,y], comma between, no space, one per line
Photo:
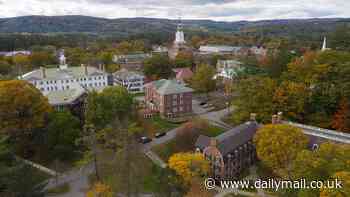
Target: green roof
[165,87]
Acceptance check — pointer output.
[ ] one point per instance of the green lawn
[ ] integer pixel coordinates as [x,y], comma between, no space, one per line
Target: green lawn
[155,125]
[59,190]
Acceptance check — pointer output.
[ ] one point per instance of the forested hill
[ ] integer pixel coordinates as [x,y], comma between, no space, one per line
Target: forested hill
[131,26]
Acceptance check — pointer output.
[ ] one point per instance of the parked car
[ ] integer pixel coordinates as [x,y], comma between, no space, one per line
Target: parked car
[202,103]
[145,140]
[159,135]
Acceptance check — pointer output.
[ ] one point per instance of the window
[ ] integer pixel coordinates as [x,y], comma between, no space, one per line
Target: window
[314,146]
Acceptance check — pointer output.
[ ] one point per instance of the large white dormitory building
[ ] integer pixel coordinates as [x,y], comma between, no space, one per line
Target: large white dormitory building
[58,83]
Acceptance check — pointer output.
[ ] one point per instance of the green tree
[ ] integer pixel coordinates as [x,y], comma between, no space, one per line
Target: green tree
[203,79]
[62,131]
[16,179]
[5,67]
[157,67]
[278,146]
[111,103]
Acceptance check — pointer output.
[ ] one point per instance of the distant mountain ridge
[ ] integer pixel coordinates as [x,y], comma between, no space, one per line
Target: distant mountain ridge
[130,26]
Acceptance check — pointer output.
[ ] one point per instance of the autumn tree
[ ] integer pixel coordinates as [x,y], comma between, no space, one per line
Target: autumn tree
[197,189]
[100,190]
[22,109]
[291,98]
[255,95]
[321,164]
[278,145]
[344,177]
[341,119]
[189,165]
[203,79]
[22,63]
[184,59]
[42,58]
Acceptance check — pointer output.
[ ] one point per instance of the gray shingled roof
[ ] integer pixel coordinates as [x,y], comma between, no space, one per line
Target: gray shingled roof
[65,97]
[58,74]
[165,87]
[231,139]
[125,74]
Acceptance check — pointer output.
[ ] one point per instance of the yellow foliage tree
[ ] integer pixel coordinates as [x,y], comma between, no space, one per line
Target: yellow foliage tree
[22,107]
[344,177]
[278,145]
[189,165]
[198,189]
[100,190]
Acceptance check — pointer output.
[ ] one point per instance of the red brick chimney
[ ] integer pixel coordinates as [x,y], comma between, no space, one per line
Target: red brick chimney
[253,117]
[279,117]
[213,142]
[43,72]
[274,119]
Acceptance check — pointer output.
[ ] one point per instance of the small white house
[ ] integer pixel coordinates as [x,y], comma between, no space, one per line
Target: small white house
[133,81]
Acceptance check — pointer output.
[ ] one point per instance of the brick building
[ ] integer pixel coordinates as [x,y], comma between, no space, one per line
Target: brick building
[169,98]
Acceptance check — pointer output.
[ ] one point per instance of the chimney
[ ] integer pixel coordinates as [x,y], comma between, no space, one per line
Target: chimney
[213,142]
[279,117]
[43,72]
[86,70]
[274,119]
[253,117]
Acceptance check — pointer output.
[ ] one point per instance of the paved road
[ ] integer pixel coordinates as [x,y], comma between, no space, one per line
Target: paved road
[77,179]
[157,141]
[215,117]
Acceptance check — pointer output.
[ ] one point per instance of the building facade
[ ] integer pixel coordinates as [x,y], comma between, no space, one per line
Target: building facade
[169,98]
[228,69]
[133,81]
[231,152]
[64,84]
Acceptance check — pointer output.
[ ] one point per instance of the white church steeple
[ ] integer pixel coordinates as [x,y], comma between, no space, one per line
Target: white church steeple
[180,36]
[324,46]
[62,60]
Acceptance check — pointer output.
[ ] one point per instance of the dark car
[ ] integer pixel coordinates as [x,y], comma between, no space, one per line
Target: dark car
[145,140]
[159,135]
[202,103]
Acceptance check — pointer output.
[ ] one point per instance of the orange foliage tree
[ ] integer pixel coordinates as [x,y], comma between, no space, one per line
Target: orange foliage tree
[341,119]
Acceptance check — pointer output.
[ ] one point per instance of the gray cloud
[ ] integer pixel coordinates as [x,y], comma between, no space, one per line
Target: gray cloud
[192,9]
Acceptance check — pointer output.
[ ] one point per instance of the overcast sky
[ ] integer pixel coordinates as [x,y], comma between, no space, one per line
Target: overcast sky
[226,10]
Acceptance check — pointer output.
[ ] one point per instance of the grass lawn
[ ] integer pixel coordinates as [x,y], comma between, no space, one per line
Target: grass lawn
[165,150]
[149,176]
[156,124]
[59,190]
[38,175]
